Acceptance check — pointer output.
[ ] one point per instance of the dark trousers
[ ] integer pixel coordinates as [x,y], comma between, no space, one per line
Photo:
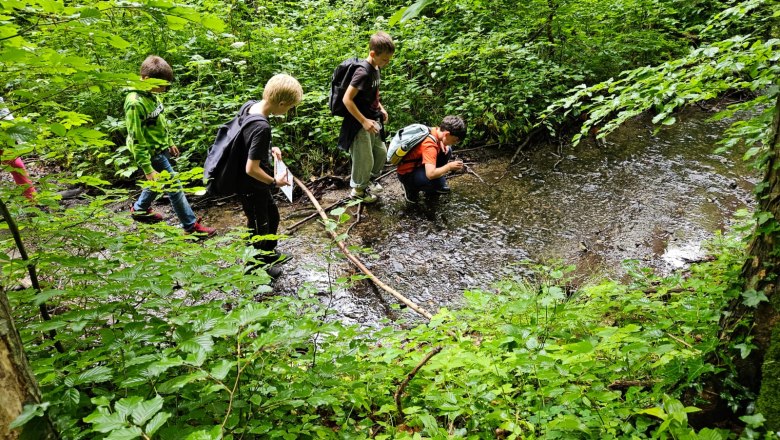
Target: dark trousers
[262,218]
[417,181]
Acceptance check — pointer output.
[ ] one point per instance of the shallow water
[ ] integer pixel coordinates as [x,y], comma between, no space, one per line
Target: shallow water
[652,198]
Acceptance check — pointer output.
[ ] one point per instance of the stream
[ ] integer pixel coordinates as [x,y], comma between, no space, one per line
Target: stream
[654,198]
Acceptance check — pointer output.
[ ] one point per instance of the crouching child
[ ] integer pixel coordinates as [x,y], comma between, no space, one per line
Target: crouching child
[425,166]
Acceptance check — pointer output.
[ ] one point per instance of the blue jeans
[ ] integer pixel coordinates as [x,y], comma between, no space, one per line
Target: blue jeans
[161,162]
[417,181]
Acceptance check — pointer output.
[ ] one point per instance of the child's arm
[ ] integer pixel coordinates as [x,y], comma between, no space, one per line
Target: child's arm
[253,170]
[385,116]
[349,102]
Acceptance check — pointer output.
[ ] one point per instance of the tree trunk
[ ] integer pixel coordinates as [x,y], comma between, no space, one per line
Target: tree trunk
[17,382]
[761,272]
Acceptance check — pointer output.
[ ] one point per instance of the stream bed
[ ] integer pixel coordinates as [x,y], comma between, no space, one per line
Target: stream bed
[654,198]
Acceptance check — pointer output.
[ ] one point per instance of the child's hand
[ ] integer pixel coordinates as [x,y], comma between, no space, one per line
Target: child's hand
[174,150]
[152,176]
[276,152]
[282,181]
[371,126]
[456,165]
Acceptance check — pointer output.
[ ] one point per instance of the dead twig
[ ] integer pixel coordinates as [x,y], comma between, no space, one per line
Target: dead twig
[626,384]
[495,144]
[408,378]
[471,171]
[520,148]
[354,260]
[680,340]
[359,211]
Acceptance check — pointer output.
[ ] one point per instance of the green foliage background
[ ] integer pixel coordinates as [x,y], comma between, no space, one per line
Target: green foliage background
[498,64]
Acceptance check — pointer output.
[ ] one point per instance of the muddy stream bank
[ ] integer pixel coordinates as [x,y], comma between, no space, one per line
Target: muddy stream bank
[651,198]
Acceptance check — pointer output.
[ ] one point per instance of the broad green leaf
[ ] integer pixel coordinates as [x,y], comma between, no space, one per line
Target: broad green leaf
[146,410]
[157,422]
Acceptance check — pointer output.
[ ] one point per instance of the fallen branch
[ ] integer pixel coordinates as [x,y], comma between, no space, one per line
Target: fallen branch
[471,171]
[357,262]
[520,148]
[409,377]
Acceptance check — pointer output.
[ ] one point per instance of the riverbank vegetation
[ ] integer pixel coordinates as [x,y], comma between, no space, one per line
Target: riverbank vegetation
[174,341]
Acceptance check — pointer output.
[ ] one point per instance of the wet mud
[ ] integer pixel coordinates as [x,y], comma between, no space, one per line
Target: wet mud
[654,198]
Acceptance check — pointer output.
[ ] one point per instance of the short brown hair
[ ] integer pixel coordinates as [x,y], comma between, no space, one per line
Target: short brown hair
[381,43]
[282,88]
[454,125]
[157,68]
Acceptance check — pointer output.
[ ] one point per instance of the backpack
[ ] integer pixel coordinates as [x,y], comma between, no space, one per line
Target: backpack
[339,82]
[225,163]
[406,139]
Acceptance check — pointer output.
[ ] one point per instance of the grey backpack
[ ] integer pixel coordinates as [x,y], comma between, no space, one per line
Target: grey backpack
[406,139]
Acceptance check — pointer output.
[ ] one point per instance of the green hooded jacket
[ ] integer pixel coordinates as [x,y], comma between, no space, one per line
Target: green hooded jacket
[147,129]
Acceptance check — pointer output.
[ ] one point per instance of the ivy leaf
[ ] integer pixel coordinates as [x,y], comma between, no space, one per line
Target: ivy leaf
[751,298]
[29,412]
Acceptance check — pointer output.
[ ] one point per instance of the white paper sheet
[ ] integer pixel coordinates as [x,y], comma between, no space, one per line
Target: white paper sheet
[281,170]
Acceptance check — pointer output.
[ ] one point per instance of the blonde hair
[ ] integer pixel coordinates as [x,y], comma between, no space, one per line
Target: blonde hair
[283,88]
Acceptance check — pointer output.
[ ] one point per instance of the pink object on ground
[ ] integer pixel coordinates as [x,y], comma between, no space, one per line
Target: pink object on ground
[20,177]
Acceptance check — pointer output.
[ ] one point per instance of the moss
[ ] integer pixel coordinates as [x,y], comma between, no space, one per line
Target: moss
[769,398]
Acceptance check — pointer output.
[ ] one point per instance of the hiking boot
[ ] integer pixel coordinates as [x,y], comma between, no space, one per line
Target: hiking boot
[375,188]
[200,231]
[363,195]
[445,189]
[411,196]
[274,271]
[147,216]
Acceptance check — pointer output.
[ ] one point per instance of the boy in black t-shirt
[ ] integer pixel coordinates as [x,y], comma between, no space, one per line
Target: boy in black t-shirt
[281,93]
[361,129]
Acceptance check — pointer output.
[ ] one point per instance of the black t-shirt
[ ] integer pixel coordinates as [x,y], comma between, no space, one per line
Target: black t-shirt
[367,82]
[367,101]
[257,142]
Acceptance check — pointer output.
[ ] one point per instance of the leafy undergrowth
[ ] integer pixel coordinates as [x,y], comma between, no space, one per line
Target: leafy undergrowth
[165,338]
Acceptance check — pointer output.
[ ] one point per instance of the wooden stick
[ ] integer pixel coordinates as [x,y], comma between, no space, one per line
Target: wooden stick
[471,171]
[357,262]
[495,144]
[409,377]
[520,148]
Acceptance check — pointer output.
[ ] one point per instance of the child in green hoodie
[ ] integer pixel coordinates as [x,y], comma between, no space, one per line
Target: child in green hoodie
[150,143]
